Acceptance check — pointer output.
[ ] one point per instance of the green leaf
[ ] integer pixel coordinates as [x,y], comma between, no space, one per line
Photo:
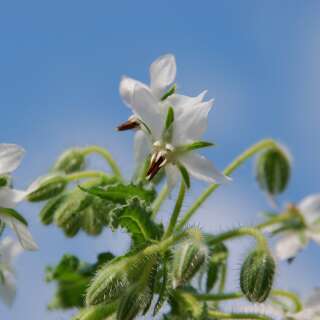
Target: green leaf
[185,175]
[120,193]
[135,218]
[72,277]
[171,91]
[100,312]
[11,213]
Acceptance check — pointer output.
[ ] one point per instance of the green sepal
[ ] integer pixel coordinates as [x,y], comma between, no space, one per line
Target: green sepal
[185,175]
[194,146]
[169,118]
[170,92]
[11,213]
[5,181]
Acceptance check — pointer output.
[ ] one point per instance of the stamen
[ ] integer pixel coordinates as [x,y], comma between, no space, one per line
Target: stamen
[132,123]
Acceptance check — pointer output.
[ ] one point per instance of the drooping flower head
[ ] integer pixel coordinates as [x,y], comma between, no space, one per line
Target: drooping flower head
[10,158]
[169,125]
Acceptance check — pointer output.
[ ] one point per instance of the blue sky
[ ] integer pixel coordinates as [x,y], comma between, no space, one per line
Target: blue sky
[60,67]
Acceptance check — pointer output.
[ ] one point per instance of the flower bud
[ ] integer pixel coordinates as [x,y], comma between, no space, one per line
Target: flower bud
[256,276]
[47,187]
[70,161]
[68,214]
[188,259]
[110,281]
[130,304]
[48,211]
[273,171]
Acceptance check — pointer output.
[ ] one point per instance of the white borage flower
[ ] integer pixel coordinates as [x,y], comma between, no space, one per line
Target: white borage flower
[10,158]
[296,236]
[170,127]
[310,310]
[9,249]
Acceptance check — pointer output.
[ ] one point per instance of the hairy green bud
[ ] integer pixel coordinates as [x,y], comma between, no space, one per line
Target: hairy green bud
[187,260]
[109,282]
[68,214]
[100,312]
[273,171]
[48,211]
[47,188]
[257,274]
[70,161]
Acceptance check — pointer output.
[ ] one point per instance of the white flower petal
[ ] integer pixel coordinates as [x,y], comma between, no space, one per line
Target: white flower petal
[162,74]
[126,89]
[10,157]
[310,208]
[191,123]
[289,246]
[8,288]
[142,146]
[9,249]
[201,168]
[181,101]
[146,107]
[9,198]
[22,232]
[172,174]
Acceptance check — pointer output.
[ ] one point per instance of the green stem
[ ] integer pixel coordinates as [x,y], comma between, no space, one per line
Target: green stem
[176,210]
[258,235]
[159,200]
[219,297]
[238,295]
[106,155]
[275,220]
[264,144]
[85,174]
[222,315]
[223,278]
[291,296]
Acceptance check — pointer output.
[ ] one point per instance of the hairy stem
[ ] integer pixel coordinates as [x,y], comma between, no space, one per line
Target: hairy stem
[275,220]
[241,232]
[264,144]
[85,175]
[159,200]
[291,296]
[219,297]
[176,210]
[222,315]
[106,155]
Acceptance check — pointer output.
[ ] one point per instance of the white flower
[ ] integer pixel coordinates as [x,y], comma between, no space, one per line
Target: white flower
[295,239]
[170,147]
[310,311]
[10,158]
[9,249]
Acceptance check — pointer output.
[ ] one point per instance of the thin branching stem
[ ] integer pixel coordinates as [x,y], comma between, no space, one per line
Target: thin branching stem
[176,210]
[264,144]
[221,315]
[106,155]
[85,175]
